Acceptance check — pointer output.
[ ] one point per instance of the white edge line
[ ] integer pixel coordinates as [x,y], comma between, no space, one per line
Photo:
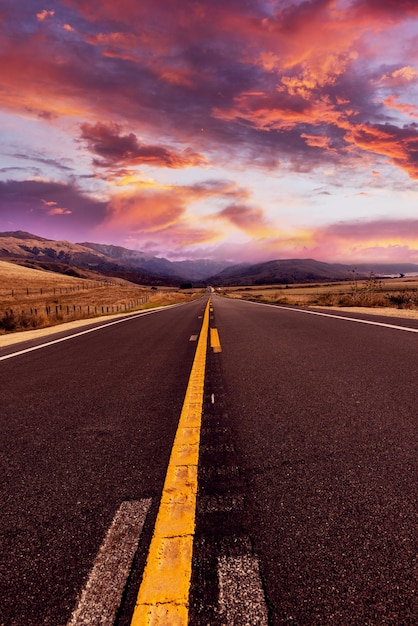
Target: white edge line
[336,316]
[85,332]
[102,594]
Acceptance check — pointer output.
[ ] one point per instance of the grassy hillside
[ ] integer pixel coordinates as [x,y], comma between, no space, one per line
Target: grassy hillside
[31,298]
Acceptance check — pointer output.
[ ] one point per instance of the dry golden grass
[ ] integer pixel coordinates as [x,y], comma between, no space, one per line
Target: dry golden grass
[32,298]
[386,311]
[387,296]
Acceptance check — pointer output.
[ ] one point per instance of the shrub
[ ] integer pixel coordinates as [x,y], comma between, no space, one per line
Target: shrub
[8,321]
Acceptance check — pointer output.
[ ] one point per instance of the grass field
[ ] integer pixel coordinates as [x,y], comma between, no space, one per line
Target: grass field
[394,294]
[32,298]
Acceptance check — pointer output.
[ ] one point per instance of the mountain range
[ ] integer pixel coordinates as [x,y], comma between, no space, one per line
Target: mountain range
[92,260]
[88,260]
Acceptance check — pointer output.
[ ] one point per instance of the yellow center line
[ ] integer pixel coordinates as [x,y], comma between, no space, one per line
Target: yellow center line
[163,596]
[215,342]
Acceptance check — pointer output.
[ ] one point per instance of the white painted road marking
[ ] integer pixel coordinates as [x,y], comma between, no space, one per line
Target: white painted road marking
[85,332]
[193,337]
[101,597]
[241,595]
[339,317]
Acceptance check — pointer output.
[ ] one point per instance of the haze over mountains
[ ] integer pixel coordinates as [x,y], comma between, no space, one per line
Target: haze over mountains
[92,260]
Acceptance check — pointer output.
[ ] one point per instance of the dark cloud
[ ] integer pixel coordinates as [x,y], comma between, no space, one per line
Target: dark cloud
[114,148]
[397,10]
[225,189]
[59,164]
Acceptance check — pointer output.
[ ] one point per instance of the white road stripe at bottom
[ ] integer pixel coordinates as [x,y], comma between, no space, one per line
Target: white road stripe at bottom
[241,595]
[101,597]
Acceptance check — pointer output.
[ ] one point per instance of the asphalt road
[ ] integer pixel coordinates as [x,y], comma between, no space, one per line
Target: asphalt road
[318,417]
[85,425]
[307,502]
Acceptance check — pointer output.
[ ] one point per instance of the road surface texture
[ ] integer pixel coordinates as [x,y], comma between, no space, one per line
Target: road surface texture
[86,424]
[307,481]
[315,423]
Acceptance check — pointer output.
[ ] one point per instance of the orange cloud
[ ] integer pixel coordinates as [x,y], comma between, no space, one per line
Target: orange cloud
[400,145]
[145,211]
[317,141]
[43,15]
[278,112]
[400,77]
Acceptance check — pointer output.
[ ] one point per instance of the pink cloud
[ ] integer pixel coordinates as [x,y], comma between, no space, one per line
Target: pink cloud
[365,230]
[247,218]
[54,209]
[359,241]
[411,110]
[263,88]
[160,217]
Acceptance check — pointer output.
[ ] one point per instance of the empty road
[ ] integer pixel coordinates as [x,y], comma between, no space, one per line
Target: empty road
[307,476]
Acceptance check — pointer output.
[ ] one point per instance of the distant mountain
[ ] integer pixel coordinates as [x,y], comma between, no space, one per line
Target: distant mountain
[185,270]
[91,259]
[290,271]
[95,260]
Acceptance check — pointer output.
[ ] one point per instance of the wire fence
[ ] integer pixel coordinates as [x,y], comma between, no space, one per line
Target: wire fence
[60,310]
[18,318]
[48,290]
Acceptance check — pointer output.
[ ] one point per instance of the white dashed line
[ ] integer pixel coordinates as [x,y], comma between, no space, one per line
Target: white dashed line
[101,597]
[241,595]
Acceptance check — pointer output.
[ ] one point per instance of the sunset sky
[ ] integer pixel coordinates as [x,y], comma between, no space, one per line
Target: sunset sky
[241,130]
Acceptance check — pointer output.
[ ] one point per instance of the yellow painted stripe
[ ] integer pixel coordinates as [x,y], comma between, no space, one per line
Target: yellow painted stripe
[164,593]
[215,342]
